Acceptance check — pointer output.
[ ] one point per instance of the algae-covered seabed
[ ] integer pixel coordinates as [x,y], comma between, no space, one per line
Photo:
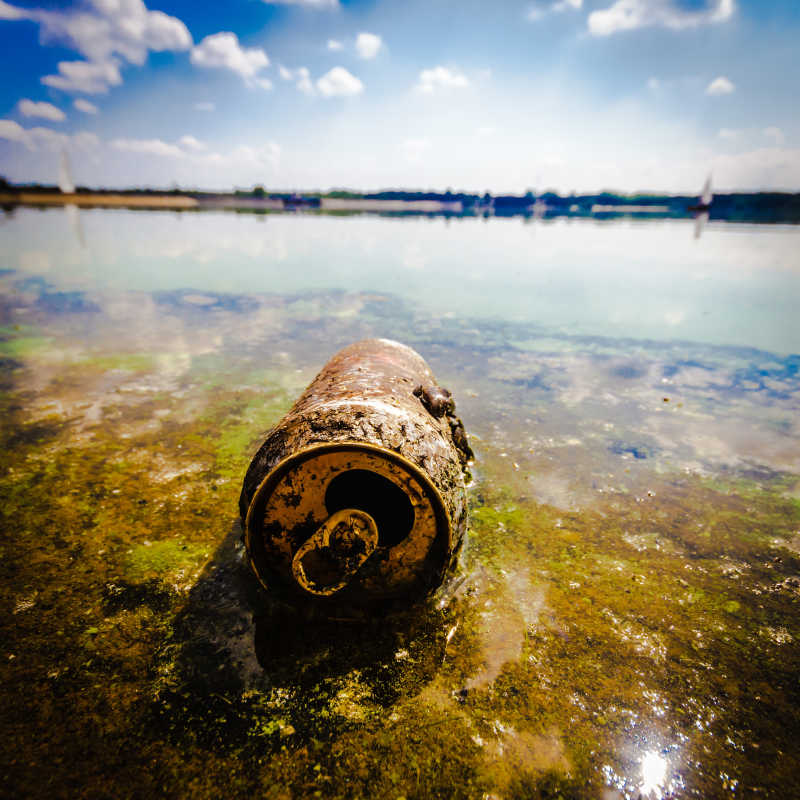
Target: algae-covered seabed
[625,619]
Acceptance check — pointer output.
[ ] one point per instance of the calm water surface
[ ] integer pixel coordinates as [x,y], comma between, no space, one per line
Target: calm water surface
[625,620]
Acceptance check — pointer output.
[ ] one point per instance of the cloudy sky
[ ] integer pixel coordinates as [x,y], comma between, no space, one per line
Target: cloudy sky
[504,95]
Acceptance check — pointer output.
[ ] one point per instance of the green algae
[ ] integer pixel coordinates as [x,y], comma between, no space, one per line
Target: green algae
[160,558]
[22,341]
[243,430]
[125,362]
[146,661]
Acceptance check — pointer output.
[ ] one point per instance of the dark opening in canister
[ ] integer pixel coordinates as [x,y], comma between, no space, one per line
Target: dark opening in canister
[386,502]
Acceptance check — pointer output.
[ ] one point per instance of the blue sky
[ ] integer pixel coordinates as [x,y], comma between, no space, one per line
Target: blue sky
[508,95]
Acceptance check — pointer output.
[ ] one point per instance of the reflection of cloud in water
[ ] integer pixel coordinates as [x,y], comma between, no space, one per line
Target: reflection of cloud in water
[514,606]
[504,623]
[592,283]
[413,257]
[36,261]
[568,410]
[718,406]
[208,249]
[517,754]
[177,361]
[674,317]
[556,489]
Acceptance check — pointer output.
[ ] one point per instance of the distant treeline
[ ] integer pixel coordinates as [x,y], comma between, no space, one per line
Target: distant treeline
[735,206]
[765,207]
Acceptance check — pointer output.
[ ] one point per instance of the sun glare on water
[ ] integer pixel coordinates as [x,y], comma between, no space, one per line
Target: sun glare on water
[654,773]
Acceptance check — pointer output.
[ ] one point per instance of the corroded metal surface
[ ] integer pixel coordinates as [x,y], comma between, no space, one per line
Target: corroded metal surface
[328,561]
[376,436]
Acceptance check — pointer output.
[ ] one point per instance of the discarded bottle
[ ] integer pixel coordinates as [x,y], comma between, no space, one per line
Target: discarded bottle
[356,501]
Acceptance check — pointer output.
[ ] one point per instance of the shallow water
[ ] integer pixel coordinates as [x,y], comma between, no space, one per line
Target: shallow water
[624,621]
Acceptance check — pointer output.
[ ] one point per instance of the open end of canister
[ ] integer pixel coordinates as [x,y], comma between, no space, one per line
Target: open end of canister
[348,519]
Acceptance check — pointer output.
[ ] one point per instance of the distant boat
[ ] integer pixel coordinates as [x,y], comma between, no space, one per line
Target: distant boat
[704,204]
[65,181]
[702,208]
[66,184]
[539,208]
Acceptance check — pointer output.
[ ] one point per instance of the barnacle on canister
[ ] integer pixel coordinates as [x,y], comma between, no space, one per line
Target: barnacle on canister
[356,501]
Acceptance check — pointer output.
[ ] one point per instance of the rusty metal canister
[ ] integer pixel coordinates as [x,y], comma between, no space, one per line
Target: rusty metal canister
[357,500]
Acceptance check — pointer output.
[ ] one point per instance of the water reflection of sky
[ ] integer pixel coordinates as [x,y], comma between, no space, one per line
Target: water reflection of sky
[738,285]
[613,574]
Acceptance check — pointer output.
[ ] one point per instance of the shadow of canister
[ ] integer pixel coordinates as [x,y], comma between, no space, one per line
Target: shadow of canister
[374,444]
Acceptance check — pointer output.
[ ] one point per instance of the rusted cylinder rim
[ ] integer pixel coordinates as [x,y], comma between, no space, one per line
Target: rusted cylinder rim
[253,537]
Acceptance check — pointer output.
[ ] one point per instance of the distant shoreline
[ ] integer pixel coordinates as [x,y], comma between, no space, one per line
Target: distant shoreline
[91,200]
[167,201]
[764,207]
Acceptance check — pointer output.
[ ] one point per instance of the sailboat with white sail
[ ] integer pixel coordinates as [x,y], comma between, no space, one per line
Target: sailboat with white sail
[66,184]
[65,180]
[702,208]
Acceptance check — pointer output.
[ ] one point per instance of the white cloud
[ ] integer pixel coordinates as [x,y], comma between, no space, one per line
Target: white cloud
[752,134]
[765,168]
[195,152]
[90,77]
[368,45]
[190,143]
[223,51]
[301,76]
[34,138]
[85,140]
[155,147]
[414,149]
[543,7]
[304,84]
[625,15]
[11,12]
[441,77]
[653,84]
[105,32]
[776,134]
[719,86]
[13,131]
[101,29]
[263,83]
[338,82]
[335,44]
[85,106]
[307,3]
[44,110]
[204,105]
[48,138]
[265,155]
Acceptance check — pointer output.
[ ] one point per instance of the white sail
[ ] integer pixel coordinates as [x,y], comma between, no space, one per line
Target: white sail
[706,196]
[65,181]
